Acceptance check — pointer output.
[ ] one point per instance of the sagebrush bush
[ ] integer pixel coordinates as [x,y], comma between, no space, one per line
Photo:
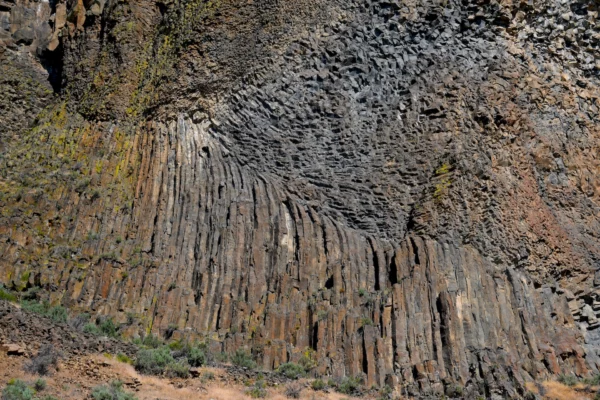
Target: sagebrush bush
[46,359]
[17,390]
[243,359]
[124,358]
[152,341]
[350,385]
[107,327]
[568,380]
[291,370]
[39,385]
[196,356]
[91,328]
[257,391]
[80,321]
[114,391]
[56,313]
[177,370]
[153,361]
[293,390]
[318,384]
[6,295]
[594,380]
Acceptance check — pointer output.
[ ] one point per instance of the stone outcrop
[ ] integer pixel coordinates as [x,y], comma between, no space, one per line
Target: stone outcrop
[404,192]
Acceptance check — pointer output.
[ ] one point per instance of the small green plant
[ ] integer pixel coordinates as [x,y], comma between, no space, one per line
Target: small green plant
[152,341]
[5,295]
[318,384]
[593,381]
[107,327]
[177,370]
[366,321]
[153,361]
[45,360]
[293,390]
[208,376]
[221,357]
[291,370]
[39,385]
[17,390]
[91,328]
[124,358]
[196,357]
[35,307]
[114,391]
[308,361]
[362,292]
[58,314]
[567,380]
[350,385]
[258,390]
[243,359]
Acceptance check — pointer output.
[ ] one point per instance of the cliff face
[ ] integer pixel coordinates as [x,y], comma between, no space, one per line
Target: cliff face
[406,191]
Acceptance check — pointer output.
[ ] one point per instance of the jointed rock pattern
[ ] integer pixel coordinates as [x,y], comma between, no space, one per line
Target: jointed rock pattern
[404,191]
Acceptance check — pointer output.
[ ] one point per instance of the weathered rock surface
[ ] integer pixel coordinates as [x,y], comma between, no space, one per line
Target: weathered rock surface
[408,190]
[22,332]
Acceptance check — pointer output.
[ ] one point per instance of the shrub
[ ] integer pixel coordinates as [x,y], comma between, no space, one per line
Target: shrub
[124,358]
[308,360]
[91,328]
[243,359]
[17,390]
[152,341]
[58,314]
[318,384]
[568,380]
[177,370]
[39,385]
[293,390]
[80,321]
[208,376]
[593,381]
[153,361]
[291,370]
[47,357]
[5,295]
[386,393]
[196,357]
[35,307]
[107,327]
[114,391]
[350,385]
[221,357]
[257,391]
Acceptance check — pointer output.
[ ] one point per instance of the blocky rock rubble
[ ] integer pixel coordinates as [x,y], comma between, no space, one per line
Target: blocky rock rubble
[405,191]
[23,332]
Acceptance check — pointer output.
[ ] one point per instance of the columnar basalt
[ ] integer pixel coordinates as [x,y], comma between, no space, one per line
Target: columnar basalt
[406,192]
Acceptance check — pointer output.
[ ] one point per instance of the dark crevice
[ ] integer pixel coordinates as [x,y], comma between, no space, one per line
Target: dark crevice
[393,274]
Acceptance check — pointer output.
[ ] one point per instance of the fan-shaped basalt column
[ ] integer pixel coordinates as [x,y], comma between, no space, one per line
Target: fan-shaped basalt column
[239,260]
